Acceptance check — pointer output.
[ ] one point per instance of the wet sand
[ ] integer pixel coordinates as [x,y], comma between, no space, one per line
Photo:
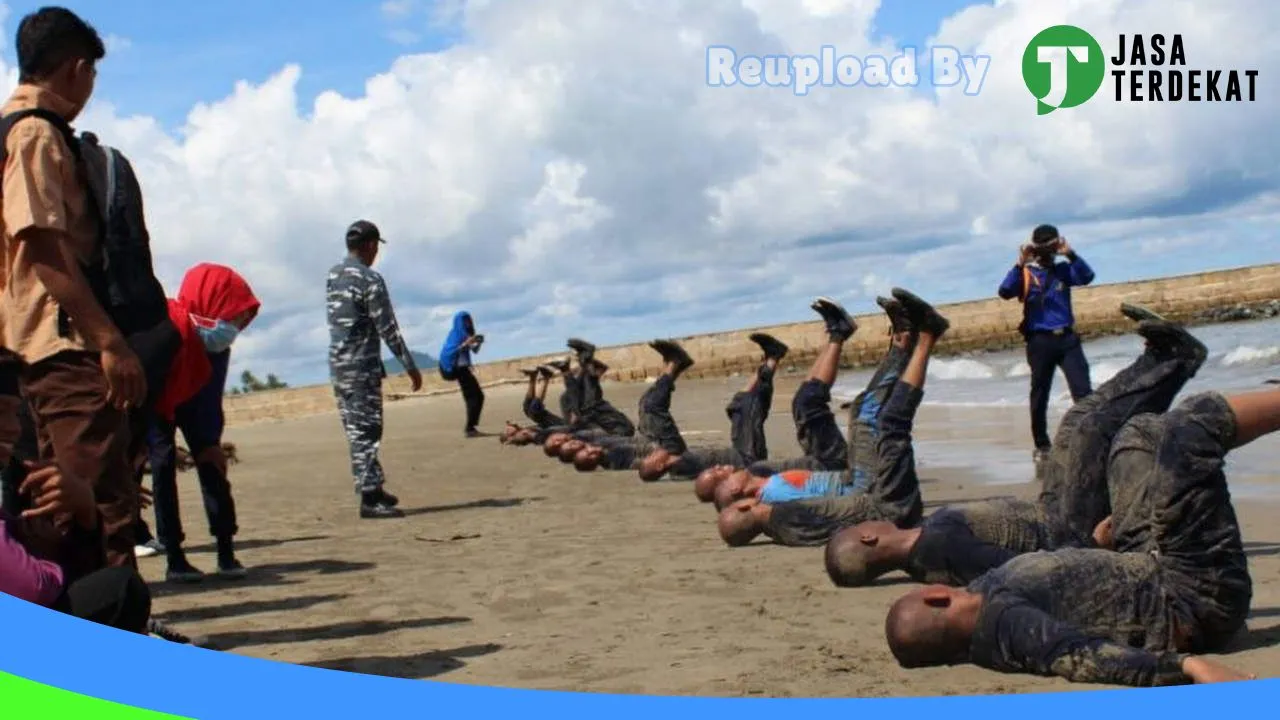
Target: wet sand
[515,570]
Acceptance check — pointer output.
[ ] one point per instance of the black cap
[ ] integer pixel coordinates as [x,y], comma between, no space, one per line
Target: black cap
[1044,234]
[363,231]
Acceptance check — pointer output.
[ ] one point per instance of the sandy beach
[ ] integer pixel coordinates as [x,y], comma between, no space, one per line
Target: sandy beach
[513,570]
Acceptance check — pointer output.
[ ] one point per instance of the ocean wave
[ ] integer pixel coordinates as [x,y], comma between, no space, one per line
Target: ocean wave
[1248,355]
[960,369]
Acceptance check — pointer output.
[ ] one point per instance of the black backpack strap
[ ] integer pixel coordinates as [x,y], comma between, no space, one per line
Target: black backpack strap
[8,121]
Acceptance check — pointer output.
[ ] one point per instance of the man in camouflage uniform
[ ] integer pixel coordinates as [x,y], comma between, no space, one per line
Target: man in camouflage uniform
[359,311]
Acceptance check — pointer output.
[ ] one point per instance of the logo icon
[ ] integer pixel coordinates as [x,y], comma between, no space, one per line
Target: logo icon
[1063,66]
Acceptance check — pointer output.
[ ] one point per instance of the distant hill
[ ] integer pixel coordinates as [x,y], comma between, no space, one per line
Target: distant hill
[424,361]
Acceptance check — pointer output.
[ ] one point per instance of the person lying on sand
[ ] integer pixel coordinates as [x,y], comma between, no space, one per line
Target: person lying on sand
[806,513]
[747,411]
[957,545]
[535,406]
[592,410]
[1175,586]
[814,419]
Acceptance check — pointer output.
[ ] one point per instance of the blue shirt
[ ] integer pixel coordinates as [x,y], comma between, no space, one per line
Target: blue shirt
[803,485]
[1048,304]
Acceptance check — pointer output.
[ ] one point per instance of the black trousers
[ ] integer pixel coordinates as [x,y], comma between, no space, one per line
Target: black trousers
[116,597]
[1046,352]
[472,395]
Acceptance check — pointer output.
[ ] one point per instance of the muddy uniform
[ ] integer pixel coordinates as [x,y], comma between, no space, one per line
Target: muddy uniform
[536,410]
[1123,617]
[893,493]
[748,410]
[571,396]
[863,429]
[657,425]
[958,544]
[624,453]
[359,312]
[595,411]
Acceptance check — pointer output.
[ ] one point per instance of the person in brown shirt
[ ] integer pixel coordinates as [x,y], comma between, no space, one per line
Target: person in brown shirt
[80,378]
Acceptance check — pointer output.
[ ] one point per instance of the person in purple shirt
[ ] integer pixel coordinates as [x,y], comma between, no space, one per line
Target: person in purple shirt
[1043,286]
[113,596]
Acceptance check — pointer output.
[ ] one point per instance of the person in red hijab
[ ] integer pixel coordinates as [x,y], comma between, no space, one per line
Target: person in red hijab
[214,305]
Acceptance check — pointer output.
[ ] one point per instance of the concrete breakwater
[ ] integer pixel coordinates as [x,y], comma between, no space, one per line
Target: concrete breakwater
[976,326]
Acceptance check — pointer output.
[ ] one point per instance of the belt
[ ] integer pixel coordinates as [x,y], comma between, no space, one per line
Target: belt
[1059,332]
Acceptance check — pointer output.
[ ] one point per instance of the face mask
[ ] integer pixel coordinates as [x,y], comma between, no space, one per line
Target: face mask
[217,335]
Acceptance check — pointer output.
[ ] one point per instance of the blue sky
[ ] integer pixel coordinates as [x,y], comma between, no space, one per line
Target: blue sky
[182,53]
[897,201]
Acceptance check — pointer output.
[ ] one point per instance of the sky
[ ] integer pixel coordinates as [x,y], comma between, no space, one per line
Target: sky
[561,168]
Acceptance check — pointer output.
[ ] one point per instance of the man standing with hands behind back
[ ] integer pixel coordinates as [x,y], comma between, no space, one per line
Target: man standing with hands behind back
[1043,286]
[359,311]
[80,378]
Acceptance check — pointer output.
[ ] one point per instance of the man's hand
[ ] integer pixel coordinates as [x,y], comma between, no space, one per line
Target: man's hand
[1025,253]
[53,493]
[214,456]
[126,383]
[1203,671]
[415,379]
[1103,536]
[1064,247]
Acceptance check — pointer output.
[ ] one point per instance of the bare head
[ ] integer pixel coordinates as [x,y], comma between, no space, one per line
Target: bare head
[588,458]
[857,555]
[732,488]
[741,522]
[931,626]
[1104,534]
[704,486]
[570,449]
[655,465]
[508,433]
[553,444]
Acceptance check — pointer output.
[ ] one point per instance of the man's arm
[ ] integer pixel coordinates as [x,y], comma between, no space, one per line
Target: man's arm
[1026,639]
[384,319]
[1012,285]
[1078,272]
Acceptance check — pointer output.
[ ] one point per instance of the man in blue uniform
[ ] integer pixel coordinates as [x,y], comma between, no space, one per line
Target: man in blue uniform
[1043,286]
[359,312]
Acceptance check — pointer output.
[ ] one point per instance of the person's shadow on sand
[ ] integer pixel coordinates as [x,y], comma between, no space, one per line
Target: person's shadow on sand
[335,631]
[268,575]
[420,666]
[490,503]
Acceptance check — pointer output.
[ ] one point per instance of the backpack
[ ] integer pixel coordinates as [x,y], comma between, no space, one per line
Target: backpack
[122,278]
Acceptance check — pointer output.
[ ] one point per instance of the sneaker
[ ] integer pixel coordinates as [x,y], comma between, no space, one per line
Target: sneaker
[377,509]
[898,319]
[840,326]
[773,348]
[923,316]
[671,352]
[231,569]
[1167,337]
[149,548]
[1138,314]
[182,572]
[584,349]
[155,628]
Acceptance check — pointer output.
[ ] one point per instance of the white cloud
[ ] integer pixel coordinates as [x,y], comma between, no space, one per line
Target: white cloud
[397,9]
[116,44]
[567,171]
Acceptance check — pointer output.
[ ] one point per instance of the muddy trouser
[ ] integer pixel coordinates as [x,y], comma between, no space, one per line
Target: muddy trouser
[893,495]
[359,396]
[1074,492]
[816,427]
[748,411]
[1170,497]
[608,418]
[656,422]
[571,397]
[864,413]
[536,410]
